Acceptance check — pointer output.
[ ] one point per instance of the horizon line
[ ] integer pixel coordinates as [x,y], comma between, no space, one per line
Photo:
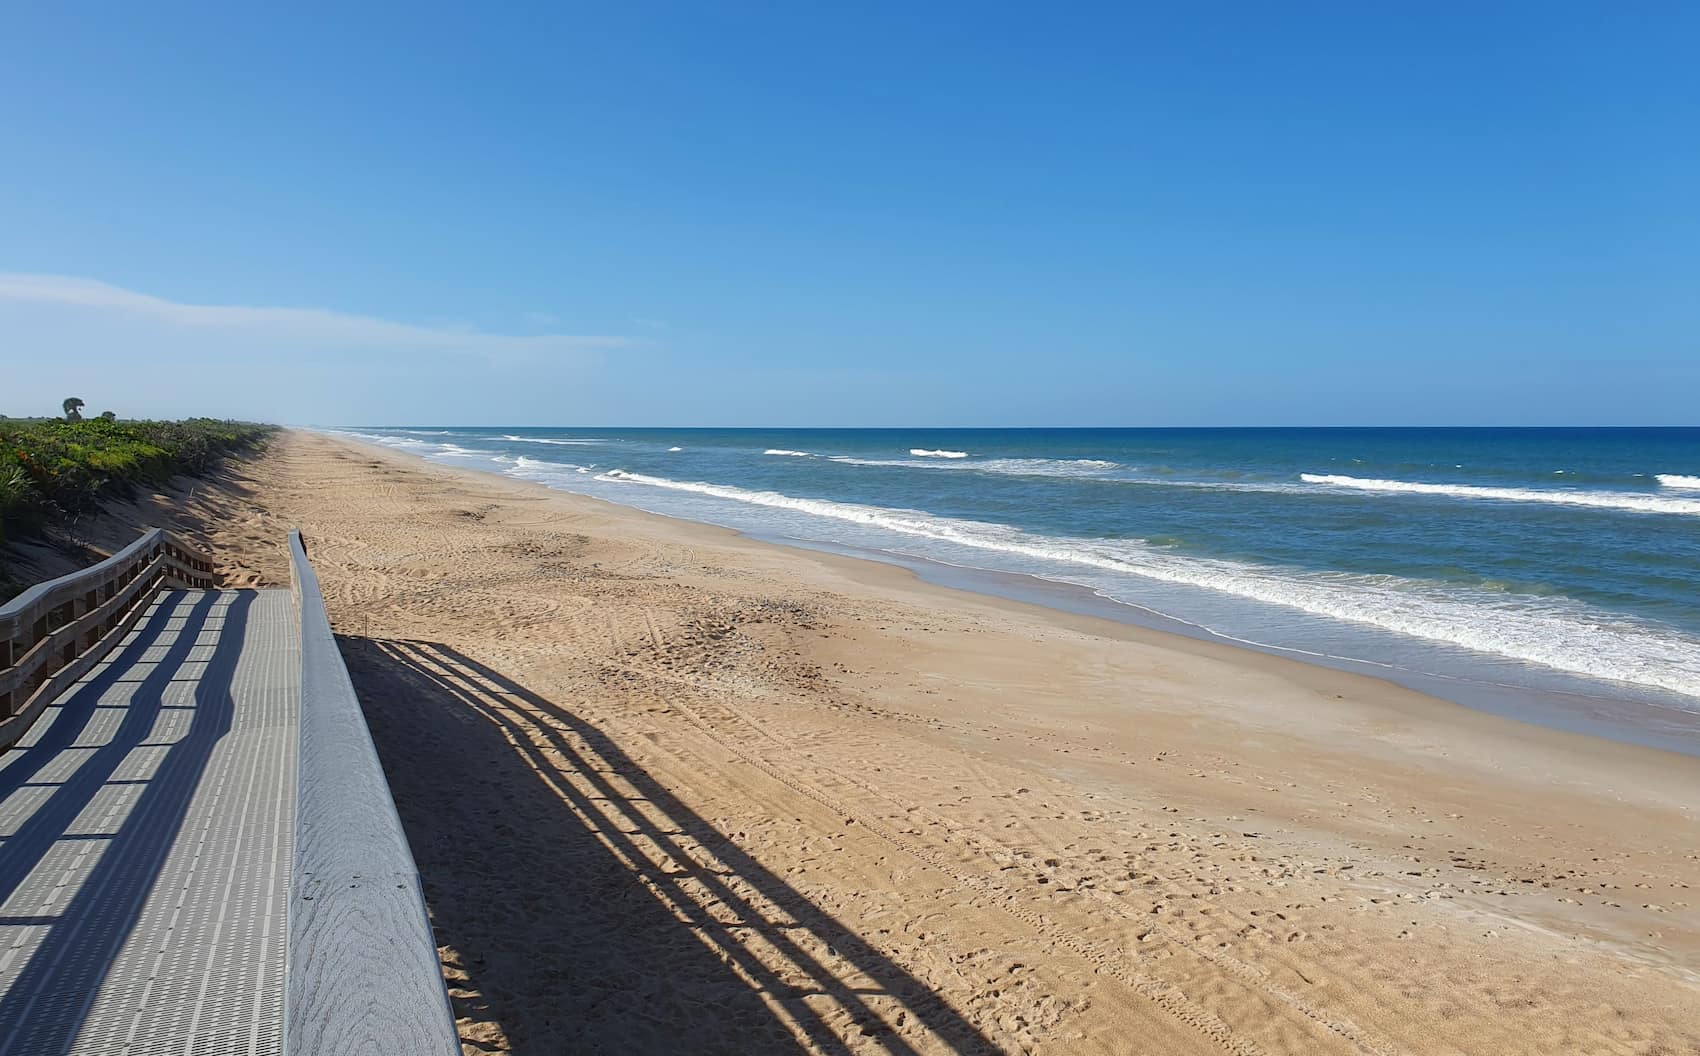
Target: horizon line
[949,428]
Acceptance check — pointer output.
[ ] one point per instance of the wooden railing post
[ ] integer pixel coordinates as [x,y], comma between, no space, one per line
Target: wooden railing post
[68,616]
[91,601]
[9,657]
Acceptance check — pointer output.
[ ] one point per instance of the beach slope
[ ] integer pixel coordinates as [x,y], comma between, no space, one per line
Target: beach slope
[671,789]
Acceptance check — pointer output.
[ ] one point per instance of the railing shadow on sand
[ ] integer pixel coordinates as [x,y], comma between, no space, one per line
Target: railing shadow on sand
[591,908]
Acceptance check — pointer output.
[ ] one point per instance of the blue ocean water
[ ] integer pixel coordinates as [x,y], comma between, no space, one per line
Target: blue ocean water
[1559,564]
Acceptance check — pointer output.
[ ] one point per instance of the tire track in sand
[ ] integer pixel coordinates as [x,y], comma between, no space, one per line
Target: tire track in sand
[1168,998]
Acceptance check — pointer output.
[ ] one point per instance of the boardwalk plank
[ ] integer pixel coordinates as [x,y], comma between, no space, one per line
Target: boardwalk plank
[146,828]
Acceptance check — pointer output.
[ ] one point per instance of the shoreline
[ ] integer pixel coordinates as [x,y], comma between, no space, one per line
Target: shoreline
[1391,699]
[972,823]
[1637,722]
[1605,718]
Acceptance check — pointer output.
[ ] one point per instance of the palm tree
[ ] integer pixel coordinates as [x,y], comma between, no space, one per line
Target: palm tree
[109,416]
[73,409]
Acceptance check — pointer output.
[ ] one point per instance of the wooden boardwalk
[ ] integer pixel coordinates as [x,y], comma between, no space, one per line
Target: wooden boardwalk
[198,848]
[146,828]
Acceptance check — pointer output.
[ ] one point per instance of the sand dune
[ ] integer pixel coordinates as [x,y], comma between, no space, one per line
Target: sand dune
[676,791]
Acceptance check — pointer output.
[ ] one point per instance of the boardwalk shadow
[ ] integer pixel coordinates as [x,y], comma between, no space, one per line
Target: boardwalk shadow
[48,1000]
[590,909]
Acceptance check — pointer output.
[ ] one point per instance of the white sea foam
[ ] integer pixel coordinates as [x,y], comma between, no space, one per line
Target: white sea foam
[1041,467]
[1677,480]
[1019,467]
[782,451]
[544,471]
[552,440]
[413,445]
[1611,500]
[386,439]
[921,452]
[1554,632]
[670,449]
[525,464]
[909,463]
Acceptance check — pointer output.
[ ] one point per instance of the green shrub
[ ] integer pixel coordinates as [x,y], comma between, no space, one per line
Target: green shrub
[53,471]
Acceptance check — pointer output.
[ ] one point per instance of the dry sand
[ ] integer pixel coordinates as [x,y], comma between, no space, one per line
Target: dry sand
[673,790]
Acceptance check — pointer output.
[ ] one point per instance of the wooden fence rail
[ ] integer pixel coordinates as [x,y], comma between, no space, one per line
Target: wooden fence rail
[364,976]
[54,632]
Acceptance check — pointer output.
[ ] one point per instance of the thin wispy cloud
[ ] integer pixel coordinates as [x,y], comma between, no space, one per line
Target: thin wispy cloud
[315,326]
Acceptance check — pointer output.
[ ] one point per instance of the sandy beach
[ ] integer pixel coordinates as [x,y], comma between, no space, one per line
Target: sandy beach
[674,790]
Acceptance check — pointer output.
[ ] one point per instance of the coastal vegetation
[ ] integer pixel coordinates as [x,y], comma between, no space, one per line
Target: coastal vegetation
[56,471]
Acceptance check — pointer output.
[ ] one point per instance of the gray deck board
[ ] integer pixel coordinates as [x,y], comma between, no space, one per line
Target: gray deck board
[146,831]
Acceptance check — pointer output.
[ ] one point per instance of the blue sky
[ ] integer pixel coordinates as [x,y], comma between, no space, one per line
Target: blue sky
[904,214]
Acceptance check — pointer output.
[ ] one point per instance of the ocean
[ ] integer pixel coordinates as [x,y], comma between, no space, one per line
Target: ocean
[1550,574]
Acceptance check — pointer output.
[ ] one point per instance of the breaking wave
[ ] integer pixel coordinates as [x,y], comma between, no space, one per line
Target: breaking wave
[1609,500]
[1553,632]
[1019,467]
[551,440]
